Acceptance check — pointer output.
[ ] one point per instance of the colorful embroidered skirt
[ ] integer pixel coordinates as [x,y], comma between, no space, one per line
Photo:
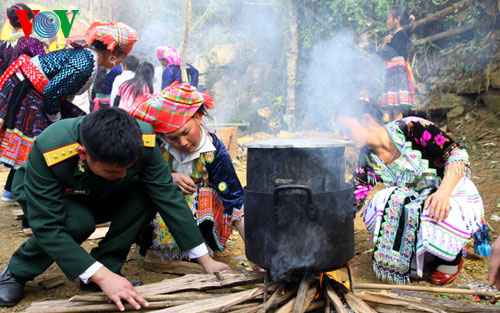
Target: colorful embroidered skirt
[22,119]
[402,231]
[398,87]
[209,214]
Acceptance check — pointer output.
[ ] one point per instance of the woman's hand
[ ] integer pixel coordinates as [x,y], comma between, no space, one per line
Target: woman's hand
[210,265]
[184,182]
[439,205]
[388,39]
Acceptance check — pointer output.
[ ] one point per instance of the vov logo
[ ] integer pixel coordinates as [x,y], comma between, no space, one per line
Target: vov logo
[46,24]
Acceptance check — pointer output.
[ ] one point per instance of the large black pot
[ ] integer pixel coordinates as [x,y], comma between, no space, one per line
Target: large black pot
[300,215]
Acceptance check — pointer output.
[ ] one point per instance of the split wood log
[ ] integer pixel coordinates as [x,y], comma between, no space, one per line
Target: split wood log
[63,306]
[428,289]
[247,307]
[288,307]
[300,302]
[154,263]
[174,296]
[337,303]
[355,303]
[447,304]
[445,34]
[201,282]
[270,302]
[99,233]
[328,302]
[218,303]
[444,12]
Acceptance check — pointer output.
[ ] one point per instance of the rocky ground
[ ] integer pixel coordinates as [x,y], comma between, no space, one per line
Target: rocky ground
[477,128]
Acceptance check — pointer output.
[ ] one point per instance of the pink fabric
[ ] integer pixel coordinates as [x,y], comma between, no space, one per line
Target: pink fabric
[127,99]
[170,54]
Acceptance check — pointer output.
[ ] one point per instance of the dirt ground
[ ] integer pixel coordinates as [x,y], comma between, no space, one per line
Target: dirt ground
[478,130]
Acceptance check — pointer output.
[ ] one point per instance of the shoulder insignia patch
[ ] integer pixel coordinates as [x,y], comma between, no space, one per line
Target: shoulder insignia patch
[55,156]
[149,140]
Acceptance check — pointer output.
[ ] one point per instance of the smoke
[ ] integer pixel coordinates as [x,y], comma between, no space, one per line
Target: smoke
[294,254]
[338,74]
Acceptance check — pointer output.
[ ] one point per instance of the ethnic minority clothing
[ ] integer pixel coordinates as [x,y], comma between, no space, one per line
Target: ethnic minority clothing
[398,89]
[170,109]
[217,202]
[172,74]
[17,45]
[399,225]
[169,54]
[113,35]
[35,90]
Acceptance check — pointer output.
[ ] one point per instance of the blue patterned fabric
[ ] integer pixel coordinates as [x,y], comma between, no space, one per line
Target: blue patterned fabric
[110,78]
[68,71]
[172,73]
[222,176]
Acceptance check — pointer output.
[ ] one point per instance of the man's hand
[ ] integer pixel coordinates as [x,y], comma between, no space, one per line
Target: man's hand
[494,264]
[210,265]
[439,205]
[185,182]
[116,288]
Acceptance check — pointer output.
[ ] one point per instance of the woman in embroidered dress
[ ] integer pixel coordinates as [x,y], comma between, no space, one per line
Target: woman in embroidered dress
[34,91]
[422,202]
[171,61]
[398,95]
[10,50]
[200,163]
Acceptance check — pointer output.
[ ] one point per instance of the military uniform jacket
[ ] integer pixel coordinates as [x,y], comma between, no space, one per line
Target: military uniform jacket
[52,169]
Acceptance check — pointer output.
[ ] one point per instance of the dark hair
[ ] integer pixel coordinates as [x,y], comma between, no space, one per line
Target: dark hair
[361,107]
[131,62]
[111,136]
[98,45]
[100,81]
[143,77]
[12,15]
[202,110]
[406,22]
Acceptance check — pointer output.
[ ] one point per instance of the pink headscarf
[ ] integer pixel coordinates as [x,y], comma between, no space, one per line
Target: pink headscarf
[170,54]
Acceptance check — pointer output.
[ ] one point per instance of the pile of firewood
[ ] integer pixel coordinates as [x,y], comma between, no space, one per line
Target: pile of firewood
[246,292]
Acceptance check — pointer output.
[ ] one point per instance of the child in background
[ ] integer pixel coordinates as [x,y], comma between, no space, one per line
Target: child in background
[398,95]
[134,88]
[171,60]
[200,163]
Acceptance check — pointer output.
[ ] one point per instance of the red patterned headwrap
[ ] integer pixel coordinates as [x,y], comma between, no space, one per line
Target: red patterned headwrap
[171,108]
[112,34]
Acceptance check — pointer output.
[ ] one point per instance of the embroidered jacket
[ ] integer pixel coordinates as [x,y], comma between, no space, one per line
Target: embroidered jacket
[15,46]
[217,171]
[70,72]
[426,151]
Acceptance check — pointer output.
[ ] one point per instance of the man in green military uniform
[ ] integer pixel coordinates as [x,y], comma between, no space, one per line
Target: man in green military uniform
[88,170]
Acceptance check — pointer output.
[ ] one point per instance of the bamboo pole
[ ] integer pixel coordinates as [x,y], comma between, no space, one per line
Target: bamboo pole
[185,42]
[428,289]
[175,296]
